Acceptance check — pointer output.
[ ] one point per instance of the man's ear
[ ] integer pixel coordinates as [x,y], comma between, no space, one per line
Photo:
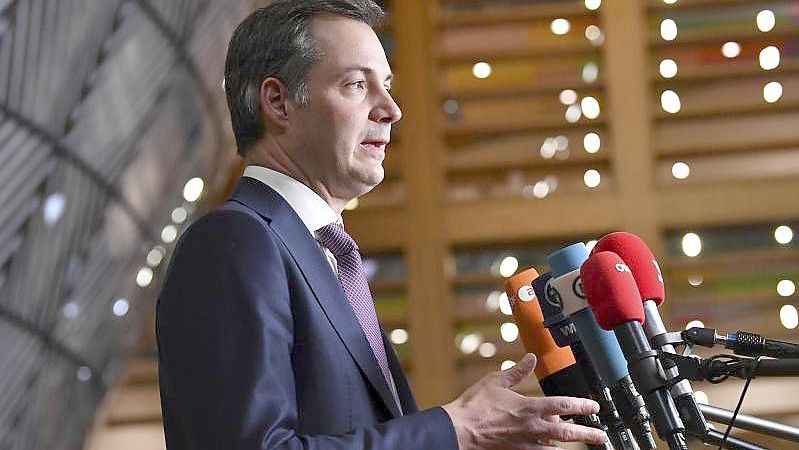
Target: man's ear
[275,102]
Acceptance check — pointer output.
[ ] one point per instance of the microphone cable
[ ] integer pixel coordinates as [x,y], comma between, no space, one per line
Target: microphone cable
[749,377]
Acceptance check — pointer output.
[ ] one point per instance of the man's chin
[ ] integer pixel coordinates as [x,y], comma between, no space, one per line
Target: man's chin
[369,180]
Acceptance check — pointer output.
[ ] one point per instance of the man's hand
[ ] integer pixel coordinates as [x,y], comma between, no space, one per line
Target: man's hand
[489,415]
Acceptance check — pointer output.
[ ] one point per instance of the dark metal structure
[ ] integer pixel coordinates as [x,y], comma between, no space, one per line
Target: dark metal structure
[107,108]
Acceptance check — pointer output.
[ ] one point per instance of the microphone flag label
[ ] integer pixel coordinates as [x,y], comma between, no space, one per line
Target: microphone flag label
[577,287]
[526,293]
[553,298]
[621,267]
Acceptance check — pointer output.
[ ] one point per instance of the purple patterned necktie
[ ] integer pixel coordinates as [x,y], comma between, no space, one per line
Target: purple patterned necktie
[353,280]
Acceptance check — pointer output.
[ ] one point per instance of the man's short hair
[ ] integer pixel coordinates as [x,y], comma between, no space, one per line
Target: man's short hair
[276,41]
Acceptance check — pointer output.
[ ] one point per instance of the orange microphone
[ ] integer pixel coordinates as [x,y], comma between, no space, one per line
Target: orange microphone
[557,369]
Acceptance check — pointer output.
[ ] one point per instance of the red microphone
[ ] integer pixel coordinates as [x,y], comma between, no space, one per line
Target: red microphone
[611,291]
[641,261]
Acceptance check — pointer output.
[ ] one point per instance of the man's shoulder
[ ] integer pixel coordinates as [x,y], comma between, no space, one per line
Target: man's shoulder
[229,220]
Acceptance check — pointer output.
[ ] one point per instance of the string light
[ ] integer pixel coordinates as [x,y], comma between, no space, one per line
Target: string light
[769,58]
[487,349]
[772,91]
[540,189]
[590,72]
[399,336]
[567,96]
[573,113]
[481,70]
[509,331]
[591,142]
[492,301]
[592,178]
[508,266]
[696,280]
[668,68]
[169,233]
[789,316]
[786,288]
[590,107]
[691,244]
[668,30]
[765,20]
[179,214]
[783,234]
[593,5]
[670,101]
[731,49]
[144,277]
[469,343]
[680,170]
[504,304]
[193,189]
[560,26]
[121,307]
[54,207]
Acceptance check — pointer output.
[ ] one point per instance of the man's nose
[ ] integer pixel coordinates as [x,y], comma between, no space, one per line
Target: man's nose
[386,110]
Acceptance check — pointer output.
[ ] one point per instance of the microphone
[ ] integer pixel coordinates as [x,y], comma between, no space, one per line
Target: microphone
[560,327]
[556,369]
[553,361]
[613,295]
[564,334]
[742,343]
[649,280]
[566,293]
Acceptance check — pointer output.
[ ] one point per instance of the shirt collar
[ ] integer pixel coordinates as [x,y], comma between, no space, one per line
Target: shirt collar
[313,210]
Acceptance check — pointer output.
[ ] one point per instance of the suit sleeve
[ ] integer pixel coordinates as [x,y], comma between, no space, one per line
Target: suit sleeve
[224,330]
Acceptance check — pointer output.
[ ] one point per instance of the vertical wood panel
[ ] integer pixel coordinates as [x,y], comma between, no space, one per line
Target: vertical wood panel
[429,298]
[627,76]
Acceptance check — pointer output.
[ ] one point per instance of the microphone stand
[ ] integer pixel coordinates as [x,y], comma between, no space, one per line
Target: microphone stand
[752,423]
[715,438]
[716,370]
[720,367]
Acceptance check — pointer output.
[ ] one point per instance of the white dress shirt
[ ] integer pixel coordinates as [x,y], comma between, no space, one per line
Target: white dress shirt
[313,210]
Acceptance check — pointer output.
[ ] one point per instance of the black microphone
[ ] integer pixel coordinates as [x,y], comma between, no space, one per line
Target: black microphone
[565,335]
[613,295]
[649,279]
[742,343]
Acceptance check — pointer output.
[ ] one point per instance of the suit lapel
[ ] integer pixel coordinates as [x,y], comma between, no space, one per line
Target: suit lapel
[403,390]
[323,282]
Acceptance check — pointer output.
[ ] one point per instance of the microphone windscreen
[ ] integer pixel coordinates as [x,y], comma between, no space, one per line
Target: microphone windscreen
[641,261]
[530,319]
[567,259]
[611,291]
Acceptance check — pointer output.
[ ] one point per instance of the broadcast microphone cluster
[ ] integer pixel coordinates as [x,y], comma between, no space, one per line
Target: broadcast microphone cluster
[598,313]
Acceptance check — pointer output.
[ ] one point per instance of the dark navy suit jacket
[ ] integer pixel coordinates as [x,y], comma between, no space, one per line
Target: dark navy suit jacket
[260,349]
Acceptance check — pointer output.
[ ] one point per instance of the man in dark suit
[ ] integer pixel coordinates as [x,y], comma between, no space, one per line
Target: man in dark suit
[267,333]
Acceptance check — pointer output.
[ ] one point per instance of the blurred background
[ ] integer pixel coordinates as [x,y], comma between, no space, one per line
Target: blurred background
[528,125]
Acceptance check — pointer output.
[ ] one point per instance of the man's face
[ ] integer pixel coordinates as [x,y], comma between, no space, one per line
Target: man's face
[340,138]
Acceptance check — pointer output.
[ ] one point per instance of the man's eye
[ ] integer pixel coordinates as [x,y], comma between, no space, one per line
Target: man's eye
[358,84]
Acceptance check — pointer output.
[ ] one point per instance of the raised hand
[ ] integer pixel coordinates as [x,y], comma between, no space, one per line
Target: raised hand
[489,415]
